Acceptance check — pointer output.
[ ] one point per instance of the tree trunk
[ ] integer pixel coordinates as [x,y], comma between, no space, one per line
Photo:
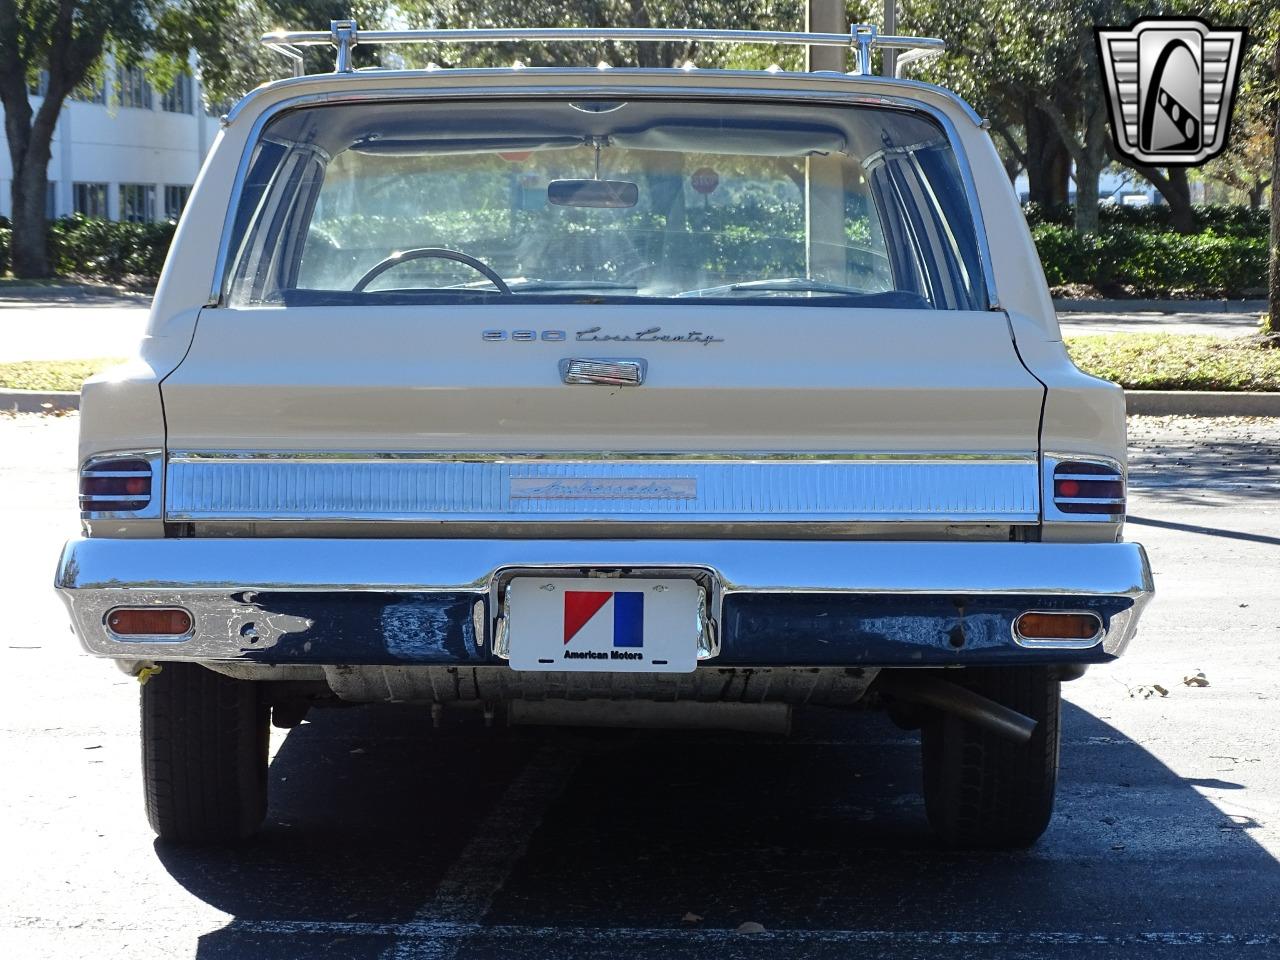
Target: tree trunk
[1256,193]
[1048,163]
[1088,169]
[1271,321]
[1177,193]
[1011,168]
[1060,177]
[1089,163]
[74,36]
[28,244]
[30,136]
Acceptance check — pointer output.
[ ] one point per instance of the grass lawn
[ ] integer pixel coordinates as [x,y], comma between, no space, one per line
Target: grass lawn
[52,374]
[1168,361]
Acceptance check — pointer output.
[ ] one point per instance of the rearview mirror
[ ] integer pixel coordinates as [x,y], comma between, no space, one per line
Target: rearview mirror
[593,193]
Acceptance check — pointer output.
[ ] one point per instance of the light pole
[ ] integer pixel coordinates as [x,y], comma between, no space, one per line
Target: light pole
[826,16]
[824,176]
[889,58]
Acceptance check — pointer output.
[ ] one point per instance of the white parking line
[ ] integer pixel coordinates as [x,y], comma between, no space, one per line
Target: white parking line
[466,891]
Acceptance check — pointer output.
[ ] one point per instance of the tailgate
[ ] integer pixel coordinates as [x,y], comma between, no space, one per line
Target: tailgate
[757,411]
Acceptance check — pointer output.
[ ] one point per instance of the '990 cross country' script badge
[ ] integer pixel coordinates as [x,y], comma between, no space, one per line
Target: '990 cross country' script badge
[1170,85]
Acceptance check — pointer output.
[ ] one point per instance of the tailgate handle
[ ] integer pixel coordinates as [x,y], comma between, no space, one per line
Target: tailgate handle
[613,373]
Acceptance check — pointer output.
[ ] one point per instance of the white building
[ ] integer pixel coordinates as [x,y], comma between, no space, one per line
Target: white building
[124,150]
[1117,184]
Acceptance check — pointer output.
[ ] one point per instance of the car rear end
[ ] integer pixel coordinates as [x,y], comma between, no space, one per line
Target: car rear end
[663,400]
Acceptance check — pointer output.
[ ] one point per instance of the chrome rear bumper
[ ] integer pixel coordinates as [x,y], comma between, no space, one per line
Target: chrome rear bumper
[794,603]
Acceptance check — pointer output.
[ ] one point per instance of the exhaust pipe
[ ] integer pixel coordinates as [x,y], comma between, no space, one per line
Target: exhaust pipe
[960,702]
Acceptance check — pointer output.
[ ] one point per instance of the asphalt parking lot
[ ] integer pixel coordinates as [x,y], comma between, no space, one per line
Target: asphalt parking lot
[388,839]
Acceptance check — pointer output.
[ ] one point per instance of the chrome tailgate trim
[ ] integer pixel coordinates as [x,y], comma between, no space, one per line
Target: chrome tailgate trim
[464,487]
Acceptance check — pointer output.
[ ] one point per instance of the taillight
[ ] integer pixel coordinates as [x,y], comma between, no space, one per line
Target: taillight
[111,485]
[1083,486]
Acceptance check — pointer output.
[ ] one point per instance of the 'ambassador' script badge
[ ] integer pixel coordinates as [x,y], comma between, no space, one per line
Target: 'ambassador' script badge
[1170,86]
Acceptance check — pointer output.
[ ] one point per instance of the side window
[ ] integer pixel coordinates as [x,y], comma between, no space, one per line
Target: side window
[915,194]
[270,252]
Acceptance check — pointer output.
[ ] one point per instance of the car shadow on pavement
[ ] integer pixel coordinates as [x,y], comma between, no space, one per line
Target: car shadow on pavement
[388,838]
[1203,530]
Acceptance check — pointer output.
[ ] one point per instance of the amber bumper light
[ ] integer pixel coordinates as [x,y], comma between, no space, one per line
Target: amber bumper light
[149,622]
[1058,626]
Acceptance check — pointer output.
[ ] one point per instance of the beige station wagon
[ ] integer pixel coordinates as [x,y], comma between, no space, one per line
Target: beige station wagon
[631,397]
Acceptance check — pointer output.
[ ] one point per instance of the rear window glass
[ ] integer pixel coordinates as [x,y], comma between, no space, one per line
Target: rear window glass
[604,201]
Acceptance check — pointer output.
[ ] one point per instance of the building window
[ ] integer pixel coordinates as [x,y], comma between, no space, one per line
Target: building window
[51,199]
[90,92]
[132,88]
[90,199]
[175,198]
[177,99]
[39,87]
[137,202]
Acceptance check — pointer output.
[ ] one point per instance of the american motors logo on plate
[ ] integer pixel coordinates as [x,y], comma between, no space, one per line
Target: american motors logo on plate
[606,624]
[620,612]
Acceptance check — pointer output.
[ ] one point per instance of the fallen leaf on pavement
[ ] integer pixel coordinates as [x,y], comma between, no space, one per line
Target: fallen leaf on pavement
[1197,679]
[1147,691]
[691,917]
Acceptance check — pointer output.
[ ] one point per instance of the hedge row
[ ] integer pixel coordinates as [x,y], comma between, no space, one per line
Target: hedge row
[1218,218]
[1151,263]
[1145,261]
[106,249]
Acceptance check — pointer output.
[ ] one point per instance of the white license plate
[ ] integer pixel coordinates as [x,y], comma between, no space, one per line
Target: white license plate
[609,626]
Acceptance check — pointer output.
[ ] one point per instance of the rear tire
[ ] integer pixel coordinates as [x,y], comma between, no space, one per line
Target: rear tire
[204,755]
[981,790]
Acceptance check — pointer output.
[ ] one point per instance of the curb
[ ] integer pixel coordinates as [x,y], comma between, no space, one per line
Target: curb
[1160,306]
[38,401]
[71,292]
[1201,403]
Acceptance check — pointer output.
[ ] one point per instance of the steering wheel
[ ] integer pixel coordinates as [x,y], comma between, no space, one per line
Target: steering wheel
[438,253]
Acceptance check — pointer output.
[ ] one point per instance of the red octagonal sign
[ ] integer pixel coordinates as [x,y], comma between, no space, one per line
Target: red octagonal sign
[704,180]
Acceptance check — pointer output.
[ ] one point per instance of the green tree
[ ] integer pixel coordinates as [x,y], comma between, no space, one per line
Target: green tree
[224,35]
[740,14]
[1271,322]
[1033,69]
[68,39]
[1258,109]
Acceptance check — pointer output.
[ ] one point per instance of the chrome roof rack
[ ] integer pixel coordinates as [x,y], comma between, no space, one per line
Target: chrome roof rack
[862,38]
